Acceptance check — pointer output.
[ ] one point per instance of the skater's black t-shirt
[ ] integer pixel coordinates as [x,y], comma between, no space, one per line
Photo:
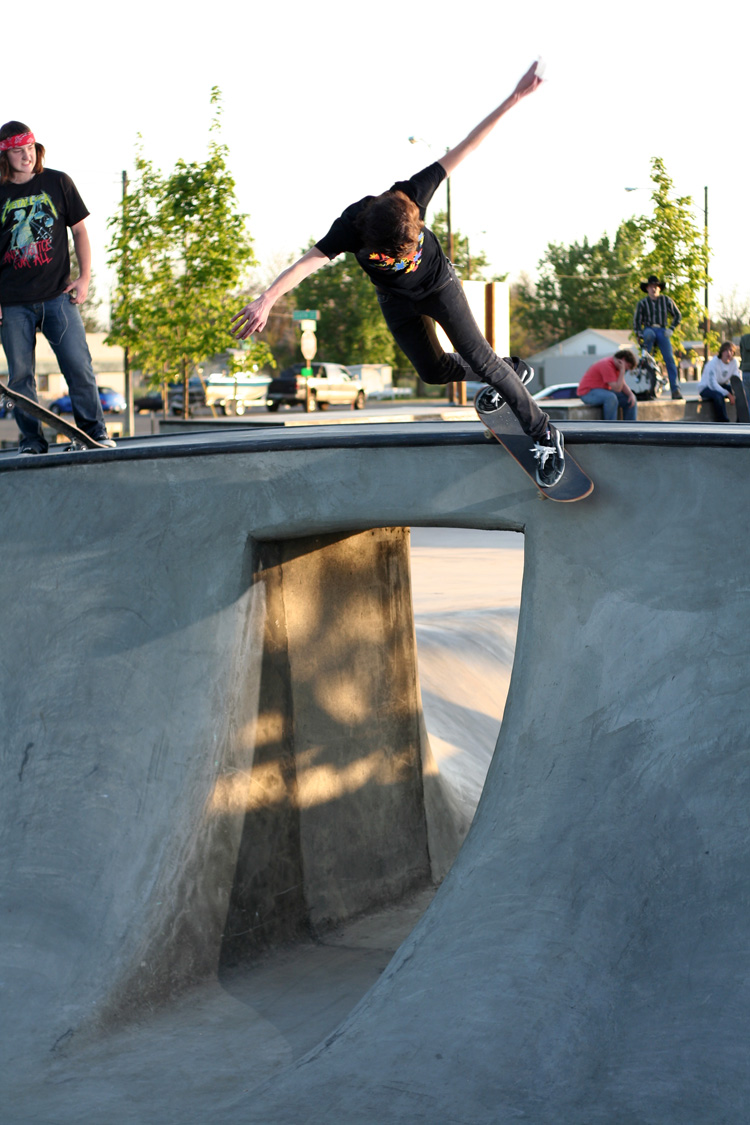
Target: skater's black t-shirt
[34,217]
[415,277]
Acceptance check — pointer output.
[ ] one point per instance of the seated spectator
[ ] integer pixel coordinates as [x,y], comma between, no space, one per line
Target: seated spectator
[714,384]
[604,385]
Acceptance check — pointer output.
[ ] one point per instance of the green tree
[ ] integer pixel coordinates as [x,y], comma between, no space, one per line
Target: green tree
[583,285]
[524,336]
[733,315]
[676,250]
[597,284]
[179,247]
[351,328]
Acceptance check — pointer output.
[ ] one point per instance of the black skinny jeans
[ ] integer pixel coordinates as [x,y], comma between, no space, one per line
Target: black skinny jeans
[411,324]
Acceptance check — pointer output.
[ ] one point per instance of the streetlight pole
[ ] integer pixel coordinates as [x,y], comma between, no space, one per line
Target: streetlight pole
[130,410]
[449,223]
[707,319]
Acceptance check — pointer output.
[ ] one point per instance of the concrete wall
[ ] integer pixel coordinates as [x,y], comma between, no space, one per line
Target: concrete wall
[223,748]
[585,960]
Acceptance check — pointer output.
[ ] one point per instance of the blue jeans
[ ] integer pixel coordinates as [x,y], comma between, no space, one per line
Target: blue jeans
[609,402]
[61,323]
[719,401]
[651,336]
[411,325]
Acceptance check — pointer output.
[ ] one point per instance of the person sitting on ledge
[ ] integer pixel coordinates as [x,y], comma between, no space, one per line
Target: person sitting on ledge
[714,385]
[604,385]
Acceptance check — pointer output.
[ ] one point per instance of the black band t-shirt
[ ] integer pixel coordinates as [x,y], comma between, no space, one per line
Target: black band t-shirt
[34,217]
[414,277]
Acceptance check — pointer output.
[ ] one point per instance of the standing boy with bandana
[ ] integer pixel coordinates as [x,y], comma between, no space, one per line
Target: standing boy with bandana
[37,205]
[417,285]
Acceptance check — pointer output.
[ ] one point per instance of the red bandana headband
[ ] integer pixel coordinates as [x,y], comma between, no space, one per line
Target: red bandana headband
[19,141]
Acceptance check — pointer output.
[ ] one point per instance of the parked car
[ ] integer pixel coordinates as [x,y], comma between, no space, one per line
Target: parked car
[153,400]
[112,402]
[330,384]
[196,395]
[557,390]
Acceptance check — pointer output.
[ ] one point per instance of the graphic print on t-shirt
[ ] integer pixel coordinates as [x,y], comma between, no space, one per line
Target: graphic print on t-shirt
[32,218]
[408,264]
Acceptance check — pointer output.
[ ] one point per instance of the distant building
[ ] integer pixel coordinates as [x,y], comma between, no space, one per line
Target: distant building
[109,366]
[569,360]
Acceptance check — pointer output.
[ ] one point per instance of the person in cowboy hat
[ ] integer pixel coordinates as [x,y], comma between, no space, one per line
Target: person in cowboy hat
[652,314]
[37,205]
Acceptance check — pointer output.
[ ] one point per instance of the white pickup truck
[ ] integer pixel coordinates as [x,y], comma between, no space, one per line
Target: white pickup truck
[331,384]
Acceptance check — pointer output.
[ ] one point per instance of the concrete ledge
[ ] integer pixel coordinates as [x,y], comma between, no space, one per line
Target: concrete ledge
[691,409]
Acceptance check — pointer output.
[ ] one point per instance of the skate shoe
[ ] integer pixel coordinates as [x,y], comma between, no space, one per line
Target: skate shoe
[77,446]
[488,399]
[492,399]
[523,370]
[550,457]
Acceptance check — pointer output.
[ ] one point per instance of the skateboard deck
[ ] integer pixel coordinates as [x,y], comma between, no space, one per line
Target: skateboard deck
[504,426]
[53,420]
[740,398]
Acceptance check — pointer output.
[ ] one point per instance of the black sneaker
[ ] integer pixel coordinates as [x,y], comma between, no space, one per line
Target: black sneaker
[523,370]
[677,393]
[489,399]
[550,457]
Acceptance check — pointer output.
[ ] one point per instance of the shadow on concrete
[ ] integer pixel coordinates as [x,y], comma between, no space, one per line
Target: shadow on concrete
[335,820]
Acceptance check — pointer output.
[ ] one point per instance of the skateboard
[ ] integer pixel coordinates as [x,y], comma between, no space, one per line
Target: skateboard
[740,398]
[53,420]
[504,426]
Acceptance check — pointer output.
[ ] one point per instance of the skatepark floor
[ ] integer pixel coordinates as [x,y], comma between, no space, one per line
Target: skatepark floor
[231,1034]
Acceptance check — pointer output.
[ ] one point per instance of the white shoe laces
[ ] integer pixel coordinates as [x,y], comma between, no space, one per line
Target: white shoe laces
[542,453]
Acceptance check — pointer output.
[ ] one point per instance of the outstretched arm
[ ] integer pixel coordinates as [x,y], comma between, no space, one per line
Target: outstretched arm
[253,317]
[531,81]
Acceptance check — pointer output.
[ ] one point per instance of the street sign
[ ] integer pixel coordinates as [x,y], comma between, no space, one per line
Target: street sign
[305,314]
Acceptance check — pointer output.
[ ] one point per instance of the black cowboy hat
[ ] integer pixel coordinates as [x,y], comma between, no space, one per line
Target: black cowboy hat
[653,280]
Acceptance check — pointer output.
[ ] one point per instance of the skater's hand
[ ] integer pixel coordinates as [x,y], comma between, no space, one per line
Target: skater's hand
[531,81]
[253,318]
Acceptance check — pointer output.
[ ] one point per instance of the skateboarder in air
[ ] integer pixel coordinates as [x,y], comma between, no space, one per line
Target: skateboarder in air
[37,205]
[416,284]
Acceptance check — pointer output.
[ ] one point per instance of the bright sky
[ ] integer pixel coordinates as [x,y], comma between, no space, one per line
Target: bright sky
[320,99]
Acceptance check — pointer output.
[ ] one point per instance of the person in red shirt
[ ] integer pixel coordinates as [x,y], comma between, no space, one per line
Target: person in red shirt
[604,385]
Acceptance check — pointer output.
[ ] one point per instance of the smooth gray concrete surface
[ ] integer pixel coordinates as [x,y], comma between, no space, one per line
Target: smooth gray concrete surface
[584,961]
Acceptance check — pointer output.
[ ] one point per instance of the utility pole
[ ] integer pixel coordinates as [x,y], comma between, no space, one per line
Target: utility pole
[707,319]
[130,412]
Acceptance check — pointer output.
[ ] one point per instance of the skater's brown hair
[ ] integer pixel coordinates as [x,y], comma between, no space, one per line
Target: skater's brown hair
[390,224]
[17,129]
[727,346]
[627,355]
